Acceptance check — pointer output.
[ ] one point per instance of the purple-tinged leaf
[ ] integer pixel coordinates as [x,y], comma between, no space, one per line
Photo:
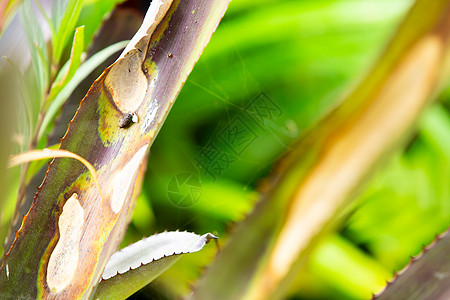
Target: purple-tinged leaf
[58,254]
[426,277]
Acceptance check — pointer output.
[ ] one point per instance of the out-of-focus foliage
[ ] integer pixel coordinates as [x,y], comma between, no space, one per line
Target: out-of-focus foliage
[301,55]
[297,56]
[40,83]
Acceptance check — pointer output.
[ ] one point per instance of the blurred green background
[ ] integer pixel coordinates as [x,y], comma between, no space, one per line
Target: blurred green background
[301,57]
[270,72]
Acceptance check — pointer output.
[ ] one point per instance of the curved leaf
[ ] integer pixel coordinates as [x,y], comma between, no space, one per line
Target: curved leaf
[68,70]
[49,153]
[83,71]
[35,41]
[68,21]
[135,266]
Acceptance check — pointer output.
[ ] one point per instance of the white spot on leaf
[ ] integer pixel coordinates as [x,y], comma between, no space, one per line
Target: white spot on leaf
[64,258]
[128,90]
[150,115]
[123,180]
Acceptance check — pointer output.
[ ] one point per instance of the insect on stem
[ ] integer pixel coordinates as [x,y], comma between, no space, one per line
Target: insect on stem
[126,120]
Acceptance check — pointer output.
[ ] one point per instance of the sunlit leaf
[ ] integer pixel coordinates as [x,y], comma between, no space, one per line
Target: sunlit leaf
[46,18]
[58,9]
[7,12]
[26,102]
[49,153]
[36,43]
[65,30]
[71,66]
[340,264]
[81,73]
[135,266]
[92,14]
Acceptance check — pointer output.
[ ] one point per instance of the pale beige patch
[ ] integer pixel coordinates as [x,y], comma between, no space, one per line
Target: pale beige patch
[328,185]
[122,180]
[127,82]
[64,258]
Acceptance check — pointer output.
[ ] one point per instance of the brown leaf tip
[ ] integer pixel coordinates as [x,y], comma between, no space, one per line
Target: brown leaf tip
[210,237]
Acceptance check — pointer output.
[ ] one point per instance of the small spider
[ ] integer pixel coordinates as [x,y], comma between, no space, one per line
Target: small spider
[127,119]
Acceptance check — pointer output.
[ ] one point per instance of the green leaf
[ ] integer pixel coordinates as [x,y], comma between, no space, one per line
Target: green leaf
[58,8]
[436,129]
[135,266]
[314,184]
[92,15]
[45,16]
[66,26]
[37,48]
[83,71]
[342,265]
[42,57]
[26,104]
[70,67]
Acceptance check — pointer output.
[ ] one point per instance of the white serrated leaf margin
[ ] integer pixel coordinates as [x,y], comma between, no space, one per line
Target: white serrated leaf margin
[153,248]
